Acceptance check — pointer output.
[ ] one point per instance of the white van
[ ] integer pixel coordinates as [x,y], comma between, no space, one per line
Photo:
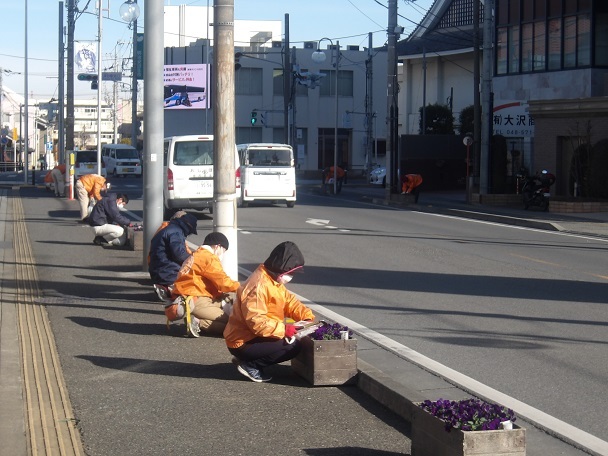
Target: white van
[121,160]
[188,177]
[267,173]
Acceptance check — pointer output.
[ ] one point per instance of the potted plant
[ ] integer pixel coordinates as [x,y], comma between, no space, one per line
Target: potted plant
[466,427]
[328,356]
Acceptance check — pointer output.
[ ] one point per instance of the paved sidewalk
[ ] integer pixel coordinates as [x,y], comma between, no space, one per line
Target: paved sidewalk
[134,390]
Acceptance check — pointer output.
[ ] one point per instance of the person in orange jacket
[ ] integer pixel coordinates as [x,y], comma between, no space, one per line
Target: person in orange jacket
[328,176]
[410,183]
[87,187]
[256,334]
[202,288]
[57,177]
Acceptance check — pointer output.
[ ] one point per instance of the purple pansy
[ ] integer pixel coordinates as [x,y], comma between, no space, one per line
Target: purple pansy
[330,332]
[468,414]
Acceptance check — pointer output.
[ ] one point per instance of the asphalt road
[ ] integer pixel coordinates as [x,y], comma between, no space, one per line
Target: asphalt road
[520,310]
[523,311]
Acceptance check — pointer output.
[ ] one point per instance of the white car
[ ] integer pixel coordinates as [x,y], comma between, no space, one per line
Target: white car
[85,162]
[378,176]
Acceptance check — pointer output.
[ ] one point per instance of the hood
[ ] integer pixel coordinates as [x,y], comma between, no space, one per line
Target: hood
[188,223]
[285,257]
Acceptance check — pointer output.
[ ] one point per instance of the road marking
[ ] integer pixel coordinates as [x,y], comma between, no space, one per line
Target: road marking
[318,222]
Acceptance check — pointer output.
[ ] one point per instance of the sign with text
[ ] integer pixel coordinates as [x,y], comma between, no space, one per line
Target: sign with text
[139,57]
[512,119]
[186,86]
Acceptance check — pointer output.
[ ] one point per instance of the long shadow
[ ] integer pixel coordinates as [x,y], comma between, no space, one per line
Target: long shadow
[349,451]
[281,374]
[456,284]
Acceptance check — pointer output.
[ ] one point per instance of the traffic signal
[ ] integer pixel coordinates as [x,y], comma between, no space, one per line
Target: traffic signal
[254,117]
[237,58]
[89,77]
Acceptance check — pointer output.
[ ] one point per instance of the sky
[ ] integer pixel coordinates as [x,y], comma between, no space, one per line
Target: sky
[348,21]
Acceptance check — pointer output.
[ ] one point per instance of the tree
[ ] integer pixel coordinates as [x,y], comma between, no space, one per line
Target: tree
[466,120]
[439,120]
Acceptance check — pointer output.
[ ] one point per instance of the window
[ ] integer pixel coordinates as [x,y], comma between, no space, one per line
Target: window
[539,46]
[570,42]
[527,47]
[501,51]
[554,44]
[345,83]
[277,84]
[514,49]
[583,41]
[248,81]
[601,39]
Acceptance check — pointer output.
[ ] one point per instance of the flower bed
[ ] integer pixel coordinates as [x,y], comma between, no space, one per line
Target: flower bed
[469,427]
[327,358]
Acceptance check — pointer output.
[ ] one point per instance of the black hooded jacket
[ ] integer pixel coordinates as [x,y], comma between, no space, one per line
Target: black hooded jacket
[284,257]
[168,249]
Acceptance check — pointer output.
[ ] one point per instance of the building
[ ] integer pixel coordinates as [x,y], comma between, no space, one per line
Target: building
[312,106]
[549,80]
[85,124]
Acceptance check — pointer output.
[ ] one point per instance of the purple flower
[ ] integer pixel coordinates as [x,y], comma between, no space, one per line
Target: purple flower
[468,414]
[330,332]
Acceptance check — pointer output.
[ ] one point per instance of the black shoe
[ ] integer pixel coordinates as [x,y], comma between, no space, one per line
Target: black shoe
[99,240]
[84,221]
[253,374]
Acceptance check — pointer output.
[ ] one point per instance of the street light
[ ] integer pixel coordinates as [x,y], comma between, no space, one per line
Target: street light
[129,12]
[319,57]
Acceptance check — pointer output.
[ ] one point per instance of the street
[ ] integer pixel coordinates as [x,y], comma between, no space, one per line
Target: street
[517,309]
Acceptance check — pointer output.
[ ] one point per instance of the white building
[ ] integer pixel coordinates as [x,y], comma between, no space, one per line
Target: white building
[85,124]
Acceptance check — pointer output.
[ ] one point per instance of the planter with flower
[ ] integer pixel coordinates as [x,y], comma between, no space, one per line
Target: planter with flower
[328,356]
[467,427]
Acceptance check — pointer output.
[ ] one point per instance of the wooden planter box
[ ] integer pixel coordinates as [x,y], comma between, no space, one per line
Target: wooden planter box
[327,362]
[135,239]
[429,438]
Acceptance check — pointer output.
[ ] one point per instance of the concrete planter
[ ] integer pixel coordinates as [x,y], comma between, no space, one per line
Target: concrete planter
[429,438]
[327,362]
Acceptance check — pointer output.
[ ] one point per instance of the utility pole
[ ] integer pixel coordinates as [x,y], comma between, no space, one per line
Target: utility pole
[224,204]
[286,81]
[486,94]
[154,118]
[134,88]
[369,104]
[392,109]
[61,79]
[476,100]
[69,115]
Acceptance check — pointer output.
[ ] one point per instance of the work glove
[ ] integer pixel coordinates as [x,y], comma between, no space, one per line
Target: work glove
[290,331]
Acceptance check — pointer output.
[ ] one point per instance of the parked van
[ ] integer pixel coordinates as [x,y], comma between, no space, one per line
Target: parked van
[121,160]
[267,173]
[188,177]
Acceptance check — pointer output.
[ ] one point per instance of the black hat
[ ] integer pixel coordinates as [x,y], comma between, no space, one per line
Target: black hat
[286,257]
[216,238]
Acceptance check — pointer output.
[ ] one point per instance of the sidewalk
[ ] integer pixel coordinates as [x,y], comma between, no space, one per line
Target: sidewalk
[137,391]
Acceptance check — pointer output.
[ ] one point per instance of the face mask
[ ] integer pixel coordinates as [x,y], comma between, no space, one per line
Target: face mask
[219,252]
[285,278]
[121,205]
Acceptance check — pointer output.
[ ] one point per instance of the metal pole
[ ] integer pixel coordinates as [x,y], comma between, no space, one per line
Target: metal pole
[99,84]
[154,119]
[391,104]
[369,103]
[26,102]
[61,95]
[486,95]
[336,125]
[134,88]
[224,216]
[69,115]
[286,81]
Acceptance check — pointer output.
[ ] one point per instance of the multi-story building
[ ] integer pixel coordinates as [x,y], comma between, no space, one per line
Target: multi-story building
[549,78]
[314,111]
[85,124]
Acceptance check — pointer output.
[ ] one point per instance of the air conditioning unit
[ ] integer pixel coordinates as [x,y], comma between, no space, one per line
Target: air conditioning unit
[309,45]
[352,47]
[277,44]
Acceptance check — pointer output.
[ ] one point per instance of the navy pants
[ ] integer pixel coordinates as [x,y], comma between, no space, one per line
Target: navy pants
[264,351]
